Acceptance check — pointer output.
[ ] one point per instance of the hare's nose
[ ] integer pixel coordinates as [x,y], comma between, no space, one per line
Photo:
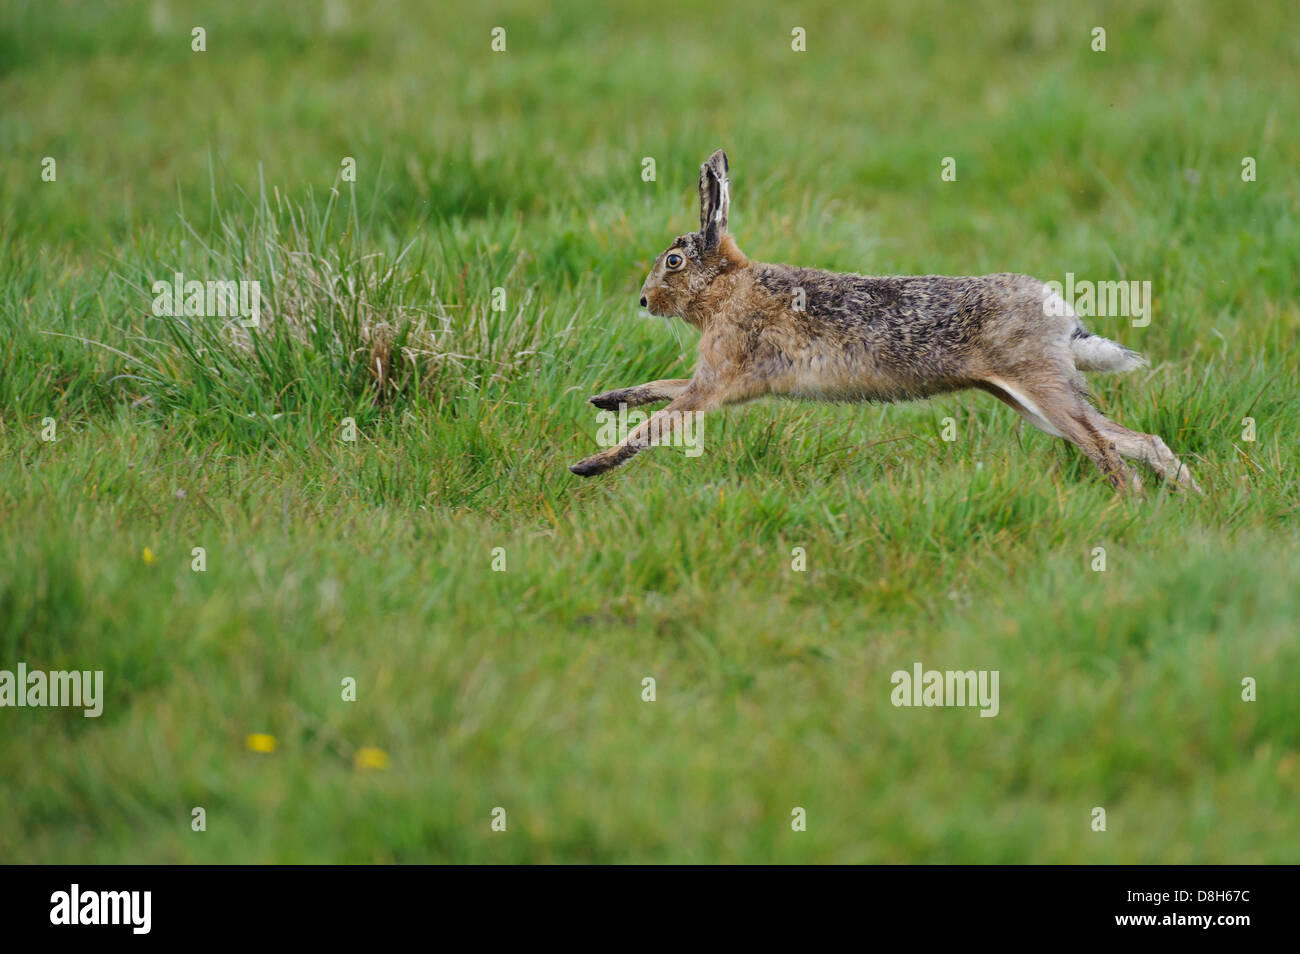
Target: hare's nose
[643,301]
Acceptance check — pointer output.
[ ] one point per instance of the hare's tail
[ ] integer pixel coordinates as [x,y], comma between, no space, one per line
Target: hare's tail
[1095,353]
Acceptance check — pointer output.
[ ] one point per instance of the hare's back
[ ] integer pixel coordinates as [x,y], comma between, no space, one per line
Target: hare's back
[883,338]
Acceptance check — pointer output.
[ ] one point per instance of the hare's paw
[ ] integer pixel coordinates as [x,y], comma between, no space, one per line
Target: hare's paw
[1183,480]
[592,466]
[610,400]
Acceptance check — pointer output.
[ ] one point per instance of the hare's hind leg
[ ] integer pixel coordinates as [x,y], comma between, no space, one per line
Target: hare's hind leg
[649,393]
[1147,448]
[1060,410]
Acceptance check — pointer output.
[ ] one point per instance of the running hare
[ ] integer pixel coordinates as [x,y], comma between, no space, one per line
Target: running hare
[801,332]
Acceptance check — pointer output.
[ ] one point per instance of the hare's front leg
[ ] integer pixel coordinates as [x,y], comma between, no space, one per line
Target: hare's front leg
[694,399]
[648,393]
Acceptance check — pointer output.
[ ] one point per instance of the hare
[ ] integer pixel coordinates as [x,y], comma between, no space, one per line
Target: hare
[806,333]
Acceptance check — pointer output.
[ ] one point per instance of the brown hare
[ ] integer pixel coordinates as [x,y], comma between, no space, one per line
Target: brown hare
[806,333]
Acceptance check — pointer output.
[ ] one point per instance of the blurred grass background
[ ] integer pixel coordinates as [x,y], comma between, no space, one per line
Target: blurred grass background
[522,689]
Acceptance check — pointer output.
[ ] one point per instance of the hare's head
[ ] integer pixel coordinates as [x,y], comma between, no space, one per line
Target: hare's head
[686,269]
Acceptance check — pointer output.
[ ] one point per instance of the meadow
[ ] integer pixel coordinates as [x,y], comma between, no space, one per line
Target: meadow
[372,484]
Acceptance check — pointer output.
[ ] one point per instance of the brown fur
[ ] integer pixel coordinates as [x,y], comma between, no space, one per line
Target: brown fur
[860,338]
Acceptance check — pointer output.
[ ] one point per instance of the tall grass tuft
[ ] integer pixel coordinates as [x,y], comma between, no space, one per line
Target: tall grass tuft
[345,324]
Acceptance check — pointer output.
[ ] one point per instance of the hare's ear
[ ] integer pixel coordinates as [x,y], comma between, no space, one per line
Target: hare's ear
[715,198]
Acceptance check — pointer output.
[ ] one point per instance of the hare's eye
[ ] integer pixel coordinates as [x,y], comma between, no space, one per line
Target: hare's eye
[674,260]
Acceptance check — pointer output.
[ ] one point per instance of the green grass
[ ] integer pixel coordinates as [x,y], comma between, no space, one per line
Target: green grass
[522,689]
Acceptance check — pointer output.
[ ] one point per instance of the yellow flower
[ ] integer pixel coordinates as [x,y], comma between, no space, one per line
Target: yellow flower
[148,555]
[367,758]
[260,742]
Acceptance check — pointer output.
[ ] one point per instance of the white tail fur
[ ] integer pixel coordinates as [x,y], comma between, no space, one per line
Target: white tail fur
[1094,353]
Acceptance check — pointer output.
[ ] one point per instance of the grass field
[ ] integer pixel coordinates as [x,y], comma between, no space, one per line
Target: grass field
[479,688]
